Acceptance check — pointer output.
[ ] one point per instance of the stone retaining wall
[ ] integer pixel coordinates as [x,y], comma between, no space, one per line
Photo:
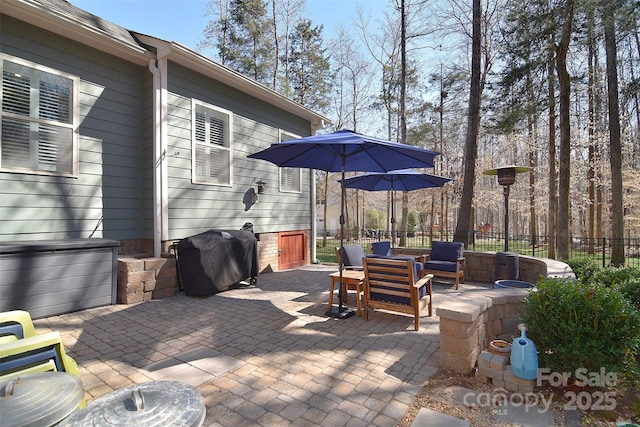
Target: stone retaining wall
[471,321]
[480,266]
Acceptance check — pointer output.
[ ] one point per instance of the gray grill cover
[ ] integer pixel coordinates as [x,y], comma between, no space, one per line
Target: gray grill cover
[213,261]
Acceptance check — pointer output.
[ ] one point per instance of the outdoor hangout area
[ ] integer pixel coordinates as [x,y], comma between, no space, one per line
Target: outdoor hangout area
[206,238]
[261,355]
[267,353]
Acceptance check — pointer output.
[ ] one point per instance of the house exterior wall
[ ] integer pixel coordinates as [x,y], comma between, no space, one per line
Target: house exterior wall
[194,208]
[112,196]
[107,198]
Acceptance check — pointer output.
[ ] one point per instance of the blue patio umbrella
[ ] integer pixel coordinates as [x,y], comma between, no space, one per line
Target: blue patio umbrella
[404,180]
[343,151]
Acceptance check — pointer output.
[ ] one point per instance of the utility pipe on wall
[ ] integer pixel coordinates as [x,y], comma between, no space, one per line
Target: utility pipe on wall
[158,67]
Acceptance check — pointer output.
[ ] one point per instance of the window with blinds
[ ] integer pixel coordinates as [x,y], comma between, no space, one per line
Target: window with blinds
[212,153]
[289,177]
[38,119]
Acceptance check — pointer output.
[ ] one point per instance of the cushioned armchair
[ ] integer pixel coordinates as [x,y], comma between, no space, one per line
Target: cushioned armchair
[351,256]
[381,248]
[391,284]
[446,260]
[417,265]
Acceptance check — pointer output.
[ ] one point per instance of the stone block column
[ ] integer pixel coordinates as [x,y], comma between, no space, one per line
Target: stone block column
[469,322]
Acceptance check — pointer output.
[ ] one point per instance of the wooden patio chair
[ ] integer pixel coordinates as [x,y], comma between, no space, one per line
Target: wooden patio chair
[351,256]
[390,284]
[446,260]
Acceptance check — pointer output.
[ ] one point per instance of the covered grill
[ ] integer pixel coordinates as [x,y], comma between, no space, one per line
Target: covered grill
[215,260]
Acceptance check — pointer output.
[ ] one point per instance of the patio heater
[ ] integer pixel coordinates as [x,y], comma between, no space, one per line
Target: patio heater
[506,262]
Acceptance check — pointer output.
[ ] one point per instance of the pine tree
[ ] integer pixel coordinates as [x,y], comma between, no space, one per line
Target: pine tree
[309,67]
[249,44]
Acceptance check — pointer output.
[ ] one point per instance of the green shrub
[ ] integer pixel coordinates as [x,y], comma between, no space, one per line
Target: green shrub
[631,290]
[577,325]
[611,276]
[626,279]
[583,268]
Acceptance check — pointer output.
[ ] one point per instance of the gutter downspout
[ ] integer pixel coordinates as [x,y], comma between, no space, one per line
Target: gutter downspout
[158,67]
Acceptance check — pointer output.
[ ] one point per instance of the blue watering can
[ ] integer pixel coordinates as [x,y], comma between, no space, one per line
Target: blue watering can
[524,358]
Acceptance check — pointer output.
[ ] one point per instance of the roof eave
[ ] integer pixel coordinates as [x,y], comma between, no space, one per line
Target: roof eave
[58,23]
[184,56]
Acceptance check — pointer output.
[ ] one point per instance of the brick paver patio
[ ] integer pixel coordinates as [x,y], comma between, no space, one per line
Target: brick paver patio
[264,355]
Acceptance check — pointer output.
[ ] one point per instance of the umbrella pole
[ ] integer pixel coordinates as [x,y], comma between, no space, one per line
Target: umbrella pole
[393,218]
[341,312]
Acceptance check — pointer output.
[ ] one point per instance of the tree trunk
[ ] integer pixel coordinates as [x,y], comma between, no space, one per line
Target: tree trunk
[403,113]
[552,189]
[592,64]
[533,154]
[565,133]
[463,227]
[615,148]
[276,45]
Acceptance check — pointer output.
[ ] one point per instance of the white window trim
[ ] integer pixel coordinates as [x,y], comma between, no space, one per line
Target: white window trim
[75,117]
[194,178]
[283,190]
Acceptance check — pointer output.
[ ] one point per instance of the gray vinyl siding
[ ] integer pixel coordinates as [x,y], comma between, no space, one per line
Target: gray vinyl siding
[194,208]
[107,198]
[146,217]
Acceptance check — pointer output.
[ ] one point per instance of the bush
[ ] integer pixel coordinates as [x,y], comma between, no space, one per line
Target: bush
[611,276]
[578,325]
[584,269]
[626,279]
[631,290]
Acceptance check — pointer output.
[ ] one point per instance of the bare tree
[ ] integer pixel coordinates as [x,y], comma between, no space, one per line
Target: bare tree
[615,148]
[552,217]
[464,224]
[565,131]
[286,13]
[216,33]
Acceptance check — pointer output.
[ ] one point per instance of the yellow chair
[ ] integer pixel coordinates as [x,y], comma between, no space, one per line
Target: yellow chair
[15,324]
[24,352]
[39,353]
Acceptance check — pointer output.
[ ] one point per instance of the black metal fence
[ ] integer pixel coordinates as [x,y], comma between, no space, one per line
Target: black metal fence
[581,248]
